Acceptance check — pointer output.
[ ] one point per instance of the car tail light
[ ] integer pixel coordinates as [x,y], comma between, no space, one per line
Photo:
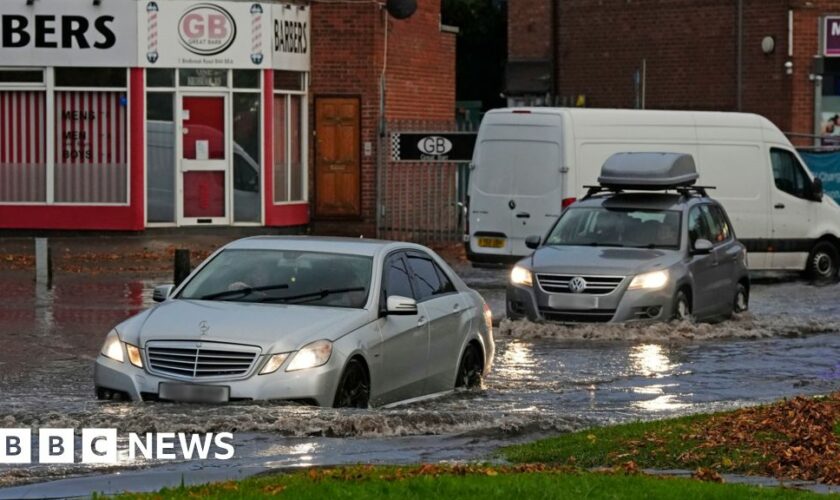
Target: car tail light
[521,111]
[568,201]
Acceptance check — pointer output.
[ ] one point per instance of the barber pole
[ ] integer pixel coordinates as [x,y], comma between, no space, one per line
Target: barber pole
[152,31]
[256,33]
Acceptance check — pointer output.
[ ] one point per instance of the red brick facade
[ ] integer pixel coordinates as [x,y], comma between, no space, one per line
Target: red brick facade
[348,60]
[690,48]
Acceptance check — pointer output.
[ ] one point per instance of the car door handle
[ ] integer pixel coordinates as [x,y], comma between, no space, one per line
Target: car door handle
[779,206]
[456,308]
[421,321]
[523,215]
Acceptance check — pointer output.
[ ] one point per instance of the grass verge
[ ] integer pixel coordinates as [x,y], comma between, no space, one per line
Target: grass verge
[791,439]
[425,482]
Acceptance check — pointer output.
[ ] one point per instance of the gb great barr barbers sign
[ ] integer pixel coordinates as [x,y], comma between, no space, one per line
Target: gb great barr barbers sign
[176,33]
[68,33]
[432,146]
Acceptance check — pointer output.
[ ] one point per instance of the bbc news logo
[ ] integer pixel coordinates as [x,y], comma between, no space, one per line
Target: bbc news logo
[103,446]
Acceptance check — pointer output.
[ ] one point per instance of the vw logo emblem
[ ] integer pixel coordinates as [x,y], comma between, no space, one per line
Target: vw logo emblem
[577,284]
[204,327]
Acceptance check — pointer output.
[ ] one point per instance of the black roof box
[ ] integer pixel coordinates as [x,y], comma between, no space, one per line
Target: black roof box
[648,171]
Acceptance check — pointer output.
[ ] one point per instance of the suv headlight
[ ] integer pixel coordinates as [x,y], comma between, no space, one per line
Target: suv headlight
[312,355]
[521,276]
[649,281]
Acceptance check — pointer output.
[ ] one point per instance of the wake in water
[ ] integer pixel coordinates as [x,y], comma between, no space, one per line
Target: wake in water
[743,326]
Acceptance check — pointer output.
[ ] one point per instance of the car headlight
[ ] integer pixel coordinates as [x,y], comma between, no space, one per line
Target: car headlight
[134,355]
[315,354]
[112,348]
[521,276]
[274,363]
[649,281]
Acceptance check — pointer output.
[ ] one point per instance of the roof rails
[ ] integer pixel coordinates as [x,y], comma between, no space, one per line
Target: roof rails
[684,191]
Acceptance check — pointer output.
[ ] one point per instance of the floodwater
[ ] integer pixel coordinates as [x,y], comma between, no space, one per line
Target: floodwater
[547,379]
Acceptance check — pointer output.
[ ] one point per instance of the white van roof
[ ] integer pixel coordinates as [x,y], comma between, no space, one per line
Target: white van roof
[600,122]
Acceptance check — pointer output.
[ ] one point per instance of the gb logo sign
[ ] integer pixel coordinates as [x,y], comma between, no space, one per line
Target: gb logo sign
[207,30]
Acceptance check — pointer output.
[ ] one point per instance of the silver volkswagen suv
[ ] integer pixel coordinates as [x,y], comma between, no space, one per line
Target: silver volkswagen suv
[646,244]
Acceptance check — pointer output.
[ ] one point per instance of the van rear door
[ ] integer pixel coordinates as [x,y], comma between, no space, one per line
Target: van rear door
[517,189]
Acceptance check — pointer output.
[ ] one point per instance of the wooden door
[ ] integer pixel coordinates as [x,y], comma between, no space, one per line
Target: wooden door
[337,159]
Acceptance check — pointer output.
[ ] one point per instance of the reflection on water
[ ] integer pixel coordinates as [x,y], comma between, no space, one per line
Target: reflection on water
[516,362]
[649,360]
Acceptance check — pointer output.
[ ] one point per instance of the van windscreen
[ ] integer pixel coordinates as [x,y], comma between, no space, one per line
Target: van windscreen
[527,168]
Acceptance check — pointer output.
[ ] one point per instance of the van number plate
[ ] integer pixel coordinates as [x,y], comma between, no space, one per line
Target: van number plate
[491,242]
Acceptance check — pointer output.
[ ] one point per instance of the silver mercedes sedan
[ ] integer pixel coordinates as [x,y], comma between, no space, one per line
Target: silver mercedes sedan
[327,321]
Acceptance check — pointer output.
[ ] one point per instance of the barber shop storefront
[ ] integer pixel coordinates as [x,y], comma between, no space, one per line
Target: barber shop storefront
[125,114]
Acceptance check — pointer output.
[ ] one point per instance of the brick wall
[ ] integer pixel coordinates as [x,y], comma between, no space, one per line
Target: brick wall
[347,59]
[690,49]
[529,33]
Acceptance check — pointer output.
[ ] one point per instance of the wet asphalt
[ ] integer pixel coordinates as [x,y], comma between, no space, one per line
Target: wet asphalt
[546,380]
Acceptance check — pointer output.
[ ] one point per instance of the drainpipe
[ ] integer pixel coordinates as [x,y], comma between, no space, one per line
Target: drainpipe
[739,64]
[555,33]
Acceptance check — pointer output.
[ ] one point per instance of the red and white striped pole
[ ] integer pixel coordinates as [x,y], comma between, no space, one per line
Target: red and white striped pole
[256,34]
[152,31]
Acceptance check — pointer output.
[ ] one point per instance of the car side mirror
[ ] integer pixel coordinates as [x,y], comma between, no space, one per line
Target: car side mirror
[401,306]
[533,242]
[817,189]
[162,292]
[702,246]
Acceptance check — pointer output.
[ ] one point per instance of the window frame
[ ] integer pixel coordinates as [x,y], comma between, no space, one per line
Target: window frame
[54,89]
[417,254]
[304,141]
[798,168]
[386,264]
[49,129]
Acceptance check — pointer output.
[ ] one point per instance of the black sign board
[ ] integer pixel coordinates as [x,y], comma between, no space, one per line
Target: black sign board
[432,146]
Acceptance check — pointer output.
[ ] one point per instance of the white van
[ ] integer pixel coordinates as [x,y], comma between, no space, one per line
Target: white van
[530,163]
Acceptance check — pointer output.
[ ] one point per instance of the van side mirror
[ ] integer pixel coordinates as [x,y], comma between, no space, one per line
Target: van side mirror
[702,246]
[162,292]
[401,306]
[817,189]
[533,242]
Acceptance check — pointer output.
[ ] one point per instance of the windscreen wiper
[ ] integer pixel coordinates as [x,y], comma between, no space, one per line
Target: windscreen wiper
[243,291]
[320,294]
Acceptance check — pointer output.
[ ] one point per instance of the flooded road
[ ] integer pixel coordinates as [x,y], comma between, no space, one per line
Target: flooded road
[547,379]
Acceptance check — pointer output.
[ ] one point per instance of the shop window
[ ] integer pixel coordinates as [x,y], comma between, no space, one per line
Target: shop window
[156,78]
[90,147]
[199,77]
[289,80]
[90,77]
[246,78]
[21,76]
[23,155]
[247,201]
[289,148]
[160,154]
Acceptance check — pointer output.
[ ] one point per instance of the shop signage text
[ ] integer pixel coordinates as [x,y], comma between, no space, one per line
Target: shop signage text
[52,32]
[433,146]
[207,30]
[291,35]
[831,36]
[68,33]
